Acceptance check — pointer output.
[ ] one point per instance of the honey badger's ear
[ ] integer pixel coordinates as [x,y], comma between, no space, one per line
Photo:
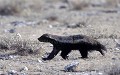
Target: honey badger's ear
[47,35]
[51,36]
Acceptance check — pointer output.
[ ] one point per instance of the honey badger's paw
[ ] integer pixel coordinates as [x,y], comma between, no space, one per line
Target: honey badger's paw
[45,59]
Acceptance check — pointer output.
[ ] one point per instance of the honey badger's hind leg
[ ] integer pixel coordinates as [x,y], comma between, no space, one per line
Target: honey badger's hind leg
[52,54]
[64,54]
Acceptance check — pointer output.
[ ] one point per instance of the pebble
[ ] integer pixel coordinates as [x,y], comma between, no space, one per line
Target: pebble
[45,21]
[12,31]
[50,26]
[118,44]
[73,25]
[6,57]
[118,48]
[11,57]
[19,35]
[12,72]
[117,41]
[100,73]
[76,25]
[24,69]
[71,67]
[39,61]
[9,30]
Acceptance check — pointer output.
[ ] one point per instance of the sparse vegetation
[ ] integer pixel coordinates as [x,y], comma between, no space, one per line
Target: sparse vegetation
[77,4]
[52,18]
[21,46]
[17,7]
[9,10]
[10,7]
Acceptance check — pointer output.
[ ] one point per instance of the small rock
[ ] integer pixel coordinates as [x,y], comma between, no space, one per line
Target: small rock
[100,73]
[11,57]
[117,41]
[18,23]
[50,26]
[45,21]
[71,67]
[76,25]
[10,30]
[24,69]
[12,72]
[113,58]
[118,44]
[73,25]
[23,74]
[6,57]
[39,61]
[118,48]
[19,35]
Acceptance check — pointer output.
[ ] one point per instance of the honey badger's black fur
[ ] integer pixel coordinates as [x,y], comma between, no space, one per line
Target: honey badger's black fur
[67,43]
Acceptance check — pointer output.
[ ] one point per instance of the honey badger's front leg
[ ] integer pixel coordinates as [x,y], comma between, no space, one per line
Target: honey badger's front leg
[65,53]
[52,54]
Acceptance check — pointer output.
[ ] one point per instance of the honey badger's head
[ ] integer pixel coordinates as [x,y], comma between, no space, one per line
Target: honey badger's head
[45,38]
[101,48]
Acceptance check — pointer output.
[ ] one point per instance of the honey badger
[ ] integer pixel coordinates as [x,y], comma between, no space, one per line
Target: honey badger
[65,44]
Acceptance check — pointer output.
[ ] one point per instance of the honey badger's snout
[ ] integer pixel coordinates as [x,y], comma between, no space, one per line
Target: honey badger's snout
[101,49]
[40,39]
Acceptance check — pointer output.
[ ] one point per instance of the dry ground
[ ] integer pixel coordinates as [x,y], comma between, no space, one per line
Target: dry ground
[29,19]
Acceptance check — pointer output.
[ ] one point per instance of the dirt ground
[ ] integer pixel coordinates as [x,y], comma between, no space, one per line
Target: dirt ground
[29,19]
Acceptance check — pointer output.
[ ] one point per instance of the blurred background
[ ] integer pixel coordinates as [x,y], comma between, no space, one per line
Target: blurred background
[58,16]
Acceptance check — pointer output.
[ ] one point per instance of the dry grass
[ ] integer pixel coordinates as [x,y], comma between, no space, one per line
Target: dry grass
[10,7]
[77,4]
[22,47]
[52,18]
[9,10]
[17,7]
[113,3]
[82,4]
